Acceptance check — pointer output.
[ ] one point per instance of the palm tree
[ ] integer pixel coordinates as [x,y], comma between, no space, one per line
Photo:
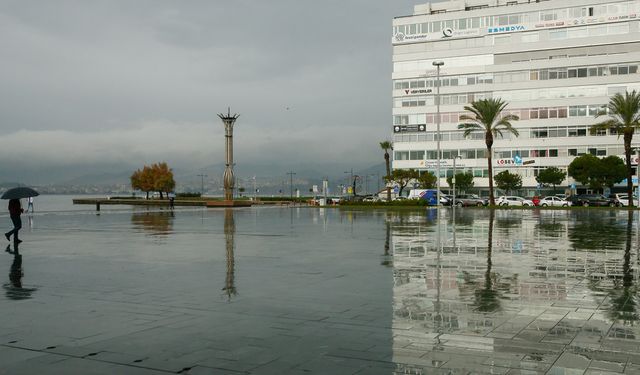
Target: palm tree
[386,146]
[625,118]
[486,116]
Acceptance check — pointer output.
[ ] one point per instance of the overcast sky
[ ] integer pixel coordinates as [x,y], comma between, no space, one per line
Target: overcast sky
[131,82]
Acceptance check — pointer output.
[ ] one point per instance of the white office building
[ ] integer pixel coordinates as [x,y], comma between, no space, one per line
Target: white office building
[555,62]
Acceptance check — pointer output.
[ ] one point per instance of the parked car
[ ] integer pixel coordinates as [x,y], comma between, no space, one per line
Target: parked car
[587,200]
[562,196]
[400,198]
[511,200]
[465,200]
[371,198]
[446,200]
[622,199]
[553,201]
[536,200]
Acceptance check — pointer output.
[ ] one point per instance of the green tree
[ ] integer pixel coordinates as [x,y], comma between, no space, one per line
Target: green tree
[508,181]
[612,171]
[585,169]
[486,116]
[551,176]
[402,177]
[386,146]
[624,118]
[427,180]
[597,173]
[464,181]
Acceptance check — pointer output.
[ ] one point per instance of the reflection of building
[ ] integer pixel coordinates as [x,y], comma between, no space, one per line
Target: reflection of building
[555,62]
[538,284]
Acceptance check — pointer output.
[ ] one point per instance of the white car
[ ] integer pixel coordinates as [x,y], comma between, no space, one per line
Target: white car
[624,199]
[371,198]
[511,200]
[554,202]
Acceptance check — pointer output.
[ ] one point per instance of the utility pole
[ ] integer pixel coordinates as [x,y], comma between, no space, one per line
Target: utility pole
[291,174]
[350,182]
[202,176]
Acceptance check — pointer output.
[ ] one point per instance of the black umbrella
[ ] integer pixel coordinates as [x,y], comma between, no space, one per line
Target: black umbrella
[19,192]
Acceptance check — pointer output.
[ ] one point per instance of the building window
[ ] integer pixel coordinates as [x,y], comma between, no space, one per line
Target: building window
[401,155]
[416,155]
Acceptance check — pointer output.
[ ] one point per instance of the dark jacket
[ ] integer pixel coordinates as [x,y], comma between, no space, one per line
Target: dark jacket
[14,207]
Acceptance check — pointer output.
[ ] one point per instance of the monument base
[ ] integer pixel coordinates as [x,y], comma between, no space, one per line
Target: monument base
[229,203]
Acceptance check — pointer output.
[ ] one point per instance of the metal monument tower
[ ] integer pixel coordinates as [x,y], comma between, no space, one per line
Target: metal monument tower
[228,177]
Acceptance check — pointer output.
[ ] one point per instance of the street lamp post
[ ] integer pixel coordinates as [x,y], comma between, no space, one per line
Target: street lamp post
[202,176]
[453,179]
[438,64]
[291,174]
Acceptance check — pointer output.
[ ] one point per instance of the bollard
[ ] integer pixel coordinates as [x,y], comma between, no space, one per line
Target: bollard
[97,206]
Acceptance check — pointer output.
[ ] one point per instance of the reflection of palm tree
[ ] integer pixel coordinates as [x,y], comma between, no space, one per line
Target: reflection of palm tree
[386,258]
[487,298]
[229,232]
[623,305]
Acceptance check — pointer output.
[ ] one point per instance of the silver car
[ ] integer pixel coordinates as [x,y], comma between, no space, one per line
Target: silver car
[553,202]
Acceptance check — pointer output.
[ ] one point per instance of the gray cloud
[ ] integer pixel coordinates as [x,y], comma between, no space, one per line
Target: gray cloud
[120,81]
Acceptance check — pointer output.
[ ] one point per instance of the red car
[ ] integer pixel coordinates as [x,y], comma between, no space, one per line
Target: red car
[536,200]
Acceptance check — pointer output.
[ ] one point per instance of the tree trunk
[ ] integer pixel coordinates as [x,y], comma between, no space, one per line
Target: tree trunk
[488,138]
[147,195]
[353,185]
[628,135]
[161,195]
[386,160]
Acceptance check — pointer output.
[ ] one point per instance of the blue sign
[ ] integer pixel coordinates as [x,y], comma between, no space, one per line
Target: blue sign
[517,159]
[572,186]
[505,29]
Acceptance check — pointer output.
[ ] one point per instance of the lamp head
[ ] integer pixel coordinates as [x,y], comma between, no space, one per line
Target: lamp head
[438,63]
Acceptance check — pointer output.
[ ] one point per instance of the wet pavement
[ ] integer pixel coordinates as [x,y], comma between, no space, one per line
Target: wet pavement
[261,291]
[307,290]
[517,292]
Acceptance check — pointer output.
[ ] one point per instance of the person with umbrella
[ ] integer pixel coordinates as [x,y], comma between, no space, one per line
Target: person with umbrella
[15,209]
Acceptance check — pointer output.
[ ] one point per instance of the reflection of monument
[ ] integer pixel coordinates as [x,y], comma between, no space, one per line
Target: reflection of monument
[229,232]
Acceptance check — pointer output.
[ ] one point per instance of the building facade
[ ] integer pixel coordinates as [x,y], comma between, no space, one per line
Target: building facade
[556,63]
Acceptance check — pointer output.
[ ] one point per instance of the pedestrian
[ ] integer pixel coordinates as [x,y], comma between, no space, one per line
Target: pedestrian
[15,210]
[30,205]
[172,198]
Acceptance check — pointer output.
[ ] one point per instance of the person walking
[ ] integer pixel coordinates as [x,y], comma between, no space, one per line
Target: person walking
[172,198]
[30,205]
[15,210]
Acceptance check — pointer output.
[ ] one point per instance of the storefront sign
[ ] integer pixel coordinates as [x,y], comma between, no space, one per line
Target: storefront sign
[417,91]
[505,29]
[516,161]
[402,38]
[409,128]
